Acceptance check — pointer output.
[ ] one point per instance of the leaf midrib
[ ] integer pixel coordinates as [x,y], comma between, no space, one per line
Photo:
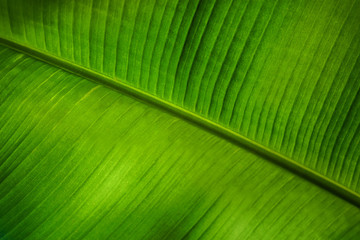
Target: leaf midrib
[236,138]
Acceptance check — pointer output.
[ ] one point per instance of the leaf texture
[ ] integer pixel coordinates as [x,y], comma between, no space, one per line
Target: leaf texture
[282,73]
[84,159]
[81,161]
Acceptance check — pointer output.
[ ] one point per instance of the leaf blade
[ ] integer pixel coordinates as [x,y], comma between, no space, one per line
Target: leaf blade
[82,175]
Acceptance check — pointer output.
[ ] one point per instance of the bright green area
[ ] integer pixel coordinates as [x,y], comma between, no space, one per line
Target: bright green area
[79,160]
[282,73]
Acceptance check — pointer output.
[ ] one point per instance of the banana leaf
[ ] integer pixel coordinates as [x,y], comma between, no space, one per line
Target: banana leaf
[189,119]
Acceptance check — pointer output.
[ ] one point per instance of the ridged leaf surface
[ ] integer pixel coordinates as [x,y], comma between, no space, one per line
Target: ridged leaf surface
[179,119]
[282,73]
[79,160]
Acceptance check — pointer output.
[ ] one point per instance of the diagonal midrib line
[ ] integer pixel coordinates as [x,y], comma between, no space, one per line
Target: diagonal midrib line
[236,138]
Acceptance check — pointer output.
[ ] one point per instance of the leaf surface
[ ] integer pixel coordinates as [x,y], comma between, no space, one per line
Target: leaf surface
[79,160]
[116,157]
[282,73]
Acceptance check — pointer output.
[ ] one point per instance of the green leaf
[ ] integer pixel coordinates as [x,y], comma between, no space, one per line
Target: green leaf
[81,160]
[163,119]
